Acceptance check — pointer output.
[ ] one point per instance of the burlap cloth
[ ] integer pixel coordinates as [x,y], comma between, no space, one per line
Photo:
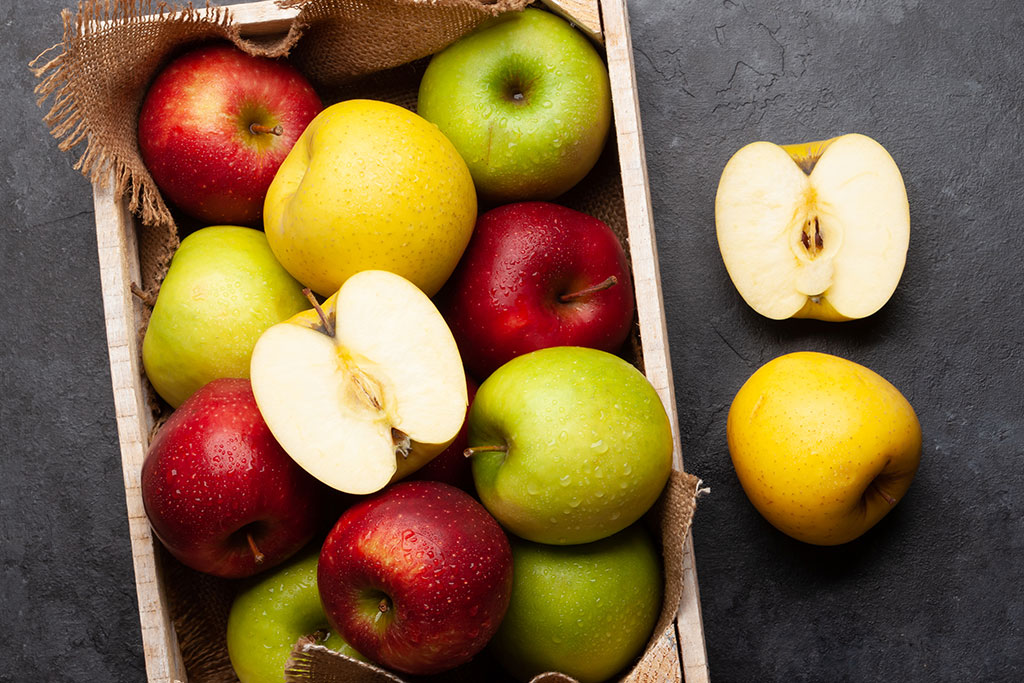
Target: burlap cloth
[94,81]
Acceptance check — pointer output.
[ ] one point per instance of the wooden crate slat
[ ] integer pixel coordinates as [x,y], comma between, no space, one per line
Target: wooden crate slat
[119,267]
[649,302]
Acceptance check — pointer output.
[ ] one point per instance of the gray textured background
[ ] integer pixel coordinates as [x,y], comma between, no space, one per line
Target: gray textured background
[934,593]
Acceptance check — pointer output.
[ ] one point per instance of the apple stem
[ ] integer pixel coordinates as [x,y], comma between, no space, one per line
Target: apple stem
[257,128]
[319,311]
[384,606]
[470,452]
[611,281]
[888,499]
[255,549]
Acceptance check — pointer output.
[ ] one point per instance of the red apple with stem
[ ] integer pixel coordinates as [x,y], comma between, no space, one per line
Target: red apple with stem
[417,578]
[535,275]
[216,124]
[220,492]
[451,465]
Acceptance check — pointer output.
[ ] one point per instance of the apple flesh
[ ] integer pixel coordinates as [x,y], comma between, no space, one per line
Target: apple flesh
[268,617]
[537,275]
[569,445]
[223,289]
[817,230]
[582,610]
[527,102]
[823,447]
[417,578]
[220,492]
[365,391]
[215,126]
[451,466]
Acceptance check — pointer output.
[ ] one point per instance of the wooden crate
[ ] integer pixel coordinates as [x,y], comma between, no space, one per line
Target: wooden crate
[607,23]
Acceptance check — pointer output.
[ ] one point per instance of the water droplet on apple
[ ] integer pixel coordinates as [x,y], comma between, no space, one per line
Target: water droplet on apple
[626,469]
[565,480]
[532,488]
[615,515]
[574,502]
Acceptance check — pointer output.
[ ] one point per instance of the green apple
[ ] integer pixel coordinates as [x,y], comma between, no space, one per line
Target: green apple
[583,610]
[223,289]
[569,445]
[370,186]
[526,101]
[269,616]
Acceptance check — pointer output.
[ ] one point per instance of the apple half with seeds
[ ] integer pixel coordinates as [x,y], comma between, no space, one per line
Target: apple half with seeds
[366,388]
[815,230]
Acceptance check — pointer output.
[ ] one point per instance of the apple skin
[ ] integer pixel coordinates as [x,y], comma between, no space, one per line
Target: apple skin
[822,446]
[416,577]
[582,610]
[504,298]
[195,136]
[223,289]
[269,616]
[370,186]
[451,466]
[589,445]
[527,102]
[214,474]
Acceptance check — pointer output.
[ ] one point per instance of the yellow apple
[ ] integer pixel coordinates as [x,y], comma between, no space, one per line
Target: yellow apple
[370,186]
[815,230]
[822,446]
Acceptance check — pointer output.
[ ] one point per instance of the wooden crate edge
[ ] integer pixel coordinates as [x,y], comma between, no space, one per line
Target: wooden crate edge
[119,267]
[650,304]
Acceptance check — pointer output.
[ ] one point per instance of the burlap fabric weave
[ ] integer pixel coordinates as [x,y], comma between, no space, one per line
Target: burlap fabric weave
[94,82]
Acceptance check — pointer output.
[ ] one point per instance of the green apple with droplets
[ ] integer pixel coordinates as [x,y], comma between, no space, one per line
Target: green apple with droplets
[269,616]
[569,445]
[223,289]
[584,610]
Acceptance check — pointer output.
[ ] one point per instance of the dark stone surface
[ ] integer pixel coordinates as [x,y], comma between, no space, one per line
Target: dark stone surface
[933,593]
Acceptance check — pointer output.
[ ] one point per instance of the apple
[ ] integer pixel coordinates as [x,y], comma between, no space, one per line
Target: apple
[583,610]
[370,186]
[817,230]
[451,465]
[822,446]
[269,616]
[216,124]
[365,390]
[223,289]
[536,275]
[527,102]
[417,577]
[569,445]
[219,491]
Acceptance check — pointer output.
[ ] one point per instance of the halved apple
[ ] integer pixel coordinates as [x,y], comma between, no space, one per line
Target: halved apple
[815,230]
[366,390]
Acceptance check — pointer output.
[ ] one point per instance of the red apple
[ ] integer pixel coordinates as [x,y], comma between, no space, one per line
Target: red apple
[417,577]
[535,275]
[220,492]
[216,124]
[451,465]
